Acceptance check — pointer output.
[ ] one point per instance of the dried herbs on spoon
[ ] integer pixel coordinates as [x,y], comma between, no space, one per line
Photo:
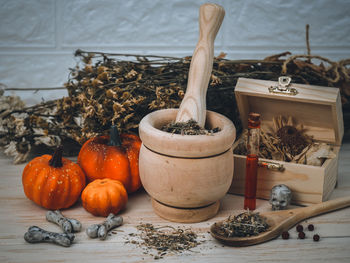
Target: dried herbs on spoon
[243,225]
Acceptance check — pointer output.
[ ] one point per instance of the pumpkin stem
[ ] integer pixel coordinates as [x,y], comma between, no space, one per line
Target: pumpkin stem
[56,160]
[114,137]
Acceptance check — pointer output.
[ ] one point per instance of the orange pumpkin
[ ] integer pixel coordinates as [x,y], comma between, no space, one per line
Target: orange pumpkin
[115,157]
[104,196]
[53,182]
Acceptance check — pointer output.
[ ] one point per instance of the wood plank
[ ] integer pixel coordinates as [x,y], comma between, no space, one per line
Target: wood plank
[17,213]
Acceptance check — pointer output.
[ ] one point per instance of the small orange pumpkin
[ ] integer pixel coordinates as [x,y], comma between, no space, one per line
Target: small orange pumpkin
[115,157]
[53,182]
[104,196]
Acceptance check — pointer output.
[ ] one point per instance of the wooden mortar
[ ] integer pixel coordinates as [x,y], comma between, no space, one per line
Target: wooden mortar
[187,175]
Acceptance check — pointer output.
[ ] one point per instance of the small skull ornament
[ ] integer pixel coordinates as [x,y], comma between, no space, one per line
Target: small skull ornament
[280,197]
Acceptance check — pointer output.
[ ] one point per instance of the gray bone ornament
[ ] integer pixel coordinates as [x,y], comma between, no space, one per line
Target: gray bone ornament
[36,235]
[280,197]
[101,230]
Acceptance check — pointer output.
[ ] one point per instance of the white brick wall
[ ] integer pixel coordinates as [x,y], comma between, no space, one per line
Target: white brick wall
[38,37]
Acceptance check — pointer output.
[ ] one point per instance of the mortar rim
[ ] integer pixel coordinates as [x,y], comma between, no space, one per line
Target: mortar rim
[186,145]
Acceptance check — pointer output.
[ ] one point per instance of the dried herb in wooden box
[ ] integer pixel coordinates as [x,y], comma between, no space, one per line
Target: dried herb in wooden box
[287,141]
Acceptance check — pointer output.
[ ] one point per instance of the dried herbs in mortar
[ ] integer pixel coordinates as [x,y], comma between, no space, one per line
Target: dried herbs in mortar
[189,127]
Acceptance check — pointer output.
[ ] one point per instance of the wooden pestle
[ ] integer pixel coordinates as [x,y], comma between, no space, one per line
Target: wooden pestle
[193,105]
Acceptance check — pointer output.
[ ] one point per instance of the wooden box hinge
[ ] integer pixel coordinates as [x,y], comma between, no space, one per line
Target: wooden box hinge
[271,165]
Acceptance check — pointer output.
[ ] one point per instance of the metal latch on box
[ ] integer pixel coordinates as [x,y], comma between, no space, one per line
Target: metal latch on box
[284,87]
[271,165]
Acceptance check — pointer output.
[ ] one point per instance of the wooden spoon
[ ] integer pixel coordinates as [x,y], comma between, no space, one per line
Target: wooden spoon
[193,105]
[280,221]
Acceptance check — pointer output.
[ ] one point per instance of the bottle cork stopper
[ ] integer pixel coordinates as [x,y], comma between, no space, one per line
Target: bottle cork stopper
[254,119]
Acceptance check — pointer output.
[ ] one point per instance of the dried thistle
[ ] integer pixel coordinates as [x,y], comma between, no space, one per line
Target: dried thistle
[292,136]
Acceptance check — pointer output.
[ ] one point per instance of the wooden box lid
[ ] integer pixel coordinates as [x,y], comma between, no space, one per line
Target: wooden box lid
[318,108]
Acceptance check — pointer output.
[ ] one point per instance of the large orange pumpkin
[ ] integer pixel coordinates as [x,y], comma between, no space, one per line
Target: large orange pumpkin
[115,157]
[104,196]
[53,182]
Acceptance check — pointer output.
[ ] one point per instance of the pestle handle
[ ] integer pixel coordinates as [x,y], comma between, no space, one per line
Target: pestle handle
[193,105]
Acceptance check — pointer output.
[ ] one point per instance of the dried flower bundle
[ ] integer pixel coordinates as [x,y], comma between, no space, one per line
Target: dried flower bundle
[104,89]
[287,141]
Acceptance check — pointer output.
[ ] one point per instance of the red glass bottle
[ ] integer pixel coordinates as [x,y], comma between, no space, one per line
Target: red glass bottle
[252,161]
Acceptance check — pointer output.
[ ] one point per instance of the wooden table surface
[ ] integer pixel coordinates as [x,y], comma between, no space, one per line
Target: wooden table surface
[17,213]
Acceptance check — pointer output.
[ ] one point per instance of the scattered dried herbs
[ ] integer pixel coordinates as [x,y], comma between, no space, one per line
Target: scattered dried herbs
[165,239]
[189,127]
[243,225]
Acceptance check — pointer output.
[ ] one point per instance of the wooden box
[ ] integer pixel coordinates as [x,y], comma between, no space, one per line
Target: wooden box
[319,109]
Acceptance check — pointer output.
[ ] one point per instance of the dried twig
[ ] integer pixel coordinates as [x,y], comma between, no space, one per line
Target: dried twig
[308,42]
